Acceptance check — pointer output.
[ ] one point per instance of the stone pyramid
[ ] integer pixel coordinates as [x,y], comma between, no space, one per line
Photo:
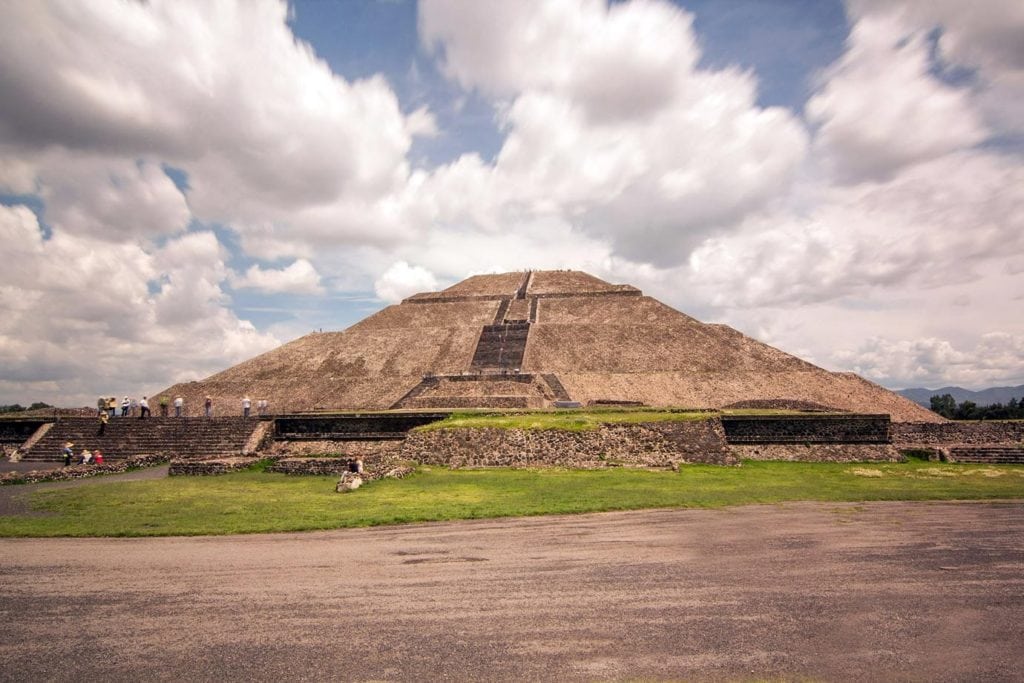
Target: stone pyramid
[531,340]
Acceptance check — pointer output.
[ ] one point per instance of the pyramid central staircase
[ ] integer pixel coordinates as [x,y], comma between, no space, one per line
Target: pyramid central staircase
[494,378]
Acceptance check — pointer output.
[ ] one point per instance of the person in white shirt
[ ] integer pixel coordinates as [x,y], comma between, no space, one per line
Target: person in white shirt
[246,406]
[143,408]
[126,403]
[179,403]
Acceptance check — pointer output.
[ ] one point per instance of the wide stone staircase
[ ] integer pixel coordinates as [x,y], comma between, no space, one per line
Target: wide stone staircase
[557,388]
[126,437]
[990,455]
[501,347]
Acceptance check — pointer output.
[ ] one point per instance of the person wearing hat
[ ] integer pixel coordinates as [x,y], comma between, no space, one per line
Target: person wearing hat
[68,453]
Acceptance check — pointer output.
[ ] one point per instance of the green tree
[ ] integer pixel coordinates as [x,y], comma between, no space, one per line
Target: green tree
[944,405]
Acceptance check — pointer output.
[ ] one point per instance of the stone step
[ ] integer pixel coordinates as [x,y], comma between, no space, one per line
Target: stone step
[1002,455]
[499,317]
[501,347]
[125,437]
[556,387]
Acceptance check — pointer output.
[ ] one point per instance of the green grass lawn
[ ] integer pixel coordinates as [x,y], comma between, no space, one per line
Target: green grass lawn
[253,501]
[570,420]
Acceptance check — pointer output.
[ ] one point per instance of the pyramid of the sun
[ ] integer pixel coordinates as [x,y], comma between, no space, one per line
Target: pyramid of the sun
[527,340]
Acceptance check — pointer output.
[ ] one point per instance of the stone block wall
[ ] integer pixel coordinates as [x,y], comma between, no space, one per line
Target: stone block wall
[798,429]
[194,468]
[946,434]
[339,467]
[17,430]
[310,466]
[819,452]
[326,426]
[654,444]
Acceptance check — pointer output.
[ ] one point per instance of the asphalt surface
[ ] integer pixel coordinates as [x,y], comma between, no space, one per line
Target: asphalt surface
[842,592]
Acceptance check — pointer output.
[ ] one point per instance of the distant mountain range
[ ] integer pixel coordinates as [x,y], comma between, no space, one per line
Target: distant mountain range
[984,397]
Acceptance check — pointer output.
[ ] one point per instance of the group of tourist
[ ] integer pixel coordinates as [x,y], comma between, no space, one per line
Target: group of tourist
[129,406]
[86,457]
[106,408]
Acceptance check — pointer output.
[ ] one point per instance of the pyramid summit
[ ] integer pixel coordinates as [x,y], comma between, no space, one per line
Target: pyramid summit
[528,340]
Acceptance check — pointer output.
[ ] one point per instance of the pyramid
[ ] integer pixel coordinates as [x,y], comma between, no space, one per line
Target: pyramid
[532,340]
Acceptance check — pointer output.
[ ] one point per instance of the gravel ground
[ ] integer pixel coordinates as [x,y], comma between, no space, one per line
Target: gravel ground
[877,591]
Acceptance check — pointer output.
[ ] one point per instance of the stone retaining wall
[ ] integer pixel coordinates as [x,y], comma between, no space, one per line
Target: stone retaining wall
[310,466]
[327,426]
[653,444]
[336,467]
[926,434]
[797,429]
[819,452]
[202,468]
[16,431]
[367,450]
[82,471]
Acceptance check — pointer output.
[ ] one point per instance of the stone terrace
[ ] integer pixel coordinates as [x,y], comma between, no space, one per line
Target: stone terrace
[605,342]
[127,437]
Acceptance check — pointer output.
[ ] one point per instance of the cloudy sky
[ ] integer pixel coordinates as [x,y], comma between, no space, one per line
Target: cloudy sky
[184,185]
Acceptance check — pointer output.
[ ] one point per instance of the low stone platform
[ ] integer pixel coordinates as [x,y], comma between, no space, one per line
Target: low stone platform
[202,468]
[819,452]
[987,454]
[310,466]
[654,444]
[21,476]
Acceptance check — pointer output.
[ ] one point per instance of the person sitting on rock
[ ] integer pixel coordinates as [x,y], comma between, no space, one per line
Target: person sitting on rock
[86,456]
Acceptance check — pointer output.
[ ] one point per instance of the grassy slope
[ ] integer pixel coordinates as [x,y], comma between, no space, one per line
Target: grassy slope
[250,502]
[570,420]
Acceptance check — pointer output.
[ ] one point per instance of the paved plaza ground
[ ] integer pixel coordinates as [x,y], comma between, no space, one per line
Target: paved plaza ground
[850,592]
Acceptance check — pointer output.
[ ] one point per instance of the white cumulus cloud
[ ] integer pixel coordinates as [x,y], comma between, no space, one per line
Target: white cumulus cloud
[402,280]
[298,278]
[882,108]
[610,125]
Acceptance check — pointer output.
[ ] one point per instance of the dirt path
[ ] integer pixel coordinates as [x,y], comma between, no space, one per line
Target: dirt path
[14,499]
[880,591]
